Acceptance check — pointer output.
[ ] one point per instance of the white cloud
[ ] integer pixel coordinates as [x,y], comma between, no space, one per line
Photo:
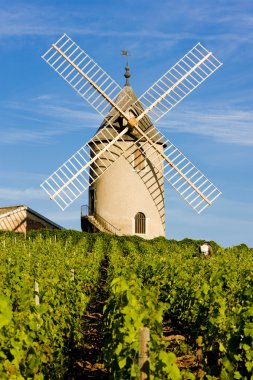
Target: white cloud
[20,195]
[48,106]
[21,135]
[226,125]
[48,120]
[23,20]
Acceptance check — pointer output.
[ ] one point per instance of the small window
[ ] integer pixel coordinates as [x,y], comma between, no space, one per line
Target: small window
[140,223]
[139,161]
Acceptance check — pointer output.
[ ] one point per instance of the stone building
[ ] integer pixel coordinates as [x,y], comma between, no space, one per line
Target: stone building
[22,219]
[128,199]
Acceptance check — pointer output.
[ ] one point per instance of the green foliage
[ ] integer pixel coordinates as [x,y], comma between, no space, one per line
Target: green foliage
[204,298]
[129,308]
[147,283]
[37,340]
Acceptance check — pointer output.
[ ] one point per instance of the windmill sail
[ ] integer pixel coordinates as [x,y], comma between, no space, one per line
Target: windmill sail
[72,178]
[196,189]
[178,82]
[85,76]
[96,87]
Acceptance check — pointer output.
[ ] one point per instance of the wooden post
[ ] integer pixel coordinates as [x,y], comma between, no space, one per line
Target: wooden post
[144,338]
[37,298]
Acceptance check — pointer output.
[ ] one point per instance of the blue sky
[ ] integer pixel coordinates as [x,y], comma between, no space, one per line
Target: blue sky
[43,121]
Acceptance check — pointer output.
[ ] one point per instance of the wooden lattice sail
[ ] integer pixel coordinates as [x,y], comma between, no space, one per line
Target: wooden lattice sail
[122,117]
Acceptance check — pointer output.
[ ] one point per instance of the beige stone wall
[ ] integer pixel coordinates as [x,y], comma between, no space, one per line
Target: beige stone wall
[122,192]
[36,223]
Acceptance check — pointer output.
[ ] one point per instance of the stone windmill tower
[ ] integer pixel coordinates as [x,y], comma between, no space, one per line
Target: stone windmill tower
[131,194]
[125,163]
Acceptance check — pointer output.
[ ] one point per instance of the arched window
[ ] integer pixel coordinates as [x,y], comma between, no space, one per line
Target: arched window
[140,223]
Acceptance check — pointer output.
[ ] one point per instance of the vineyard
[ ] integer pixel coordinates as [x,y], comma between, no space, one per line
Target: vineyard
[72,305]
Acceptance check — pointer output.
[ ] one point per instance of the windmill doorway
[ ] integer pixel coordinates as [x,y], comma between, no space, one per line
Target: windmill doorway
[92,202]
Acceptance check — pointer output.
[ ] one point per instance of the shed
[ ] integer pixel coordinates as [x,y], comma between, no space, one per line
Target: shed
[22,219]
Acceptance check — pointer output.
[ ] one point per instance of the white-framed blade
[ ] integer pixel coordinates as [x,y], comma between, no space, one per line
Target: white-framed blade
[96,87]
[85,76]
[178,82]
[106,97]
[191,184]
[84,167]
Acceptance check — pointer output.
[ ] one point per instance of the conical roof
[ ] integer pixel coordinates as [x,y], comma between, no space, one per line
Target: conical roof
[117,121]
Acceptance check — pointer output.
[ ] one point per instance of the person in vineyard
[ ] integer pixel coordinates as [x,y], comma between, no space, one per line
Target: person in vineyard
[205,250]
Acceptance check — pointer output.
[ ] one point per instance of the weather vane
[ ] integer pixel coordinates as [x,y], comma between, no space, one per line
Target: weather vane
[126,53]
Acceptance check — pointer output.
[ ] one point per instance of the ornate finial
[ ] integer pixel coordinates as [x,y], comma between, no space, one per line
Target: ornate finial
[127,74]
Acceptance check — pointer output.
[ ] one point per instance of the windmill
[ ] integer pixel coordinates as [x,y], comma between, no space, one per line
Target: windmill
[124,165]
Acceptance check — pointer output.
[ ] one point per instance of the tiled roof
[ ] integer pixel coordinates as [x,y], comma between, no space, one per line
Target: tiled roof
[4,210]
